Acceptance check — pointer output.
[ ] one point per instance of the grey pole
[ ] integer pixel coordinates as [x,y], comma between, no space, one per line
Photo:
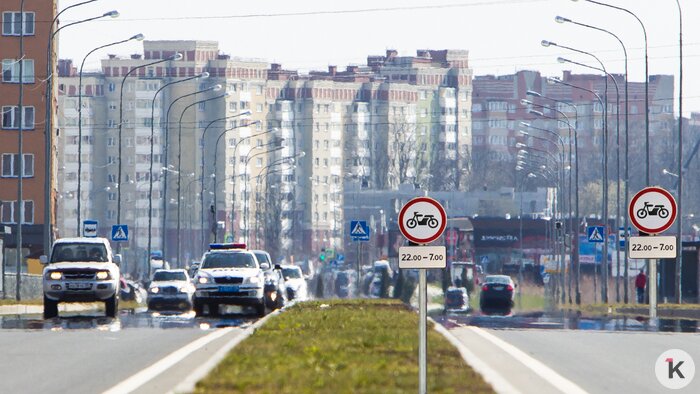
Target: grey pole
[20,172]
[679,266]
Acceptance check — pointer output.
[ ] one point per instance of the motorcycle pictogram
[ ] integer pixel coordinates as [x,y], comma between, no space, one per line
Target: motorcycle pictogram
[652,210]
[422,220]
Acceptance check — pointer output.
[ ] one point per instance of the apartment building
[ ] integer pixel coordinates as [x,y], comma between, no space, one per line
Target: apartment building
[23,52]
[498,115]
[265,159]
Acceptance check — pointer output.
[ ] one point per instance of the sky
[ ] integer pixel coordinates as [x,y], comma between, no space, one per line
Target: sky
[502,36]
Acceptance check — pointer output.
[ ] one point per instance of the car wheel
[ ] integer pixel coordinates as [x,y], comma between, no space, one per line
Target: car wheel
[111,305]
[198,308]
[260,309]
[50,308]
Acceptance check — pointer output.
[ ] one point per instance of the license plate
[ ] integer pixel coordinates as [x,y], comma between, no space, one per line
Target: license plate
[228,289]
[498,287]
[79,286]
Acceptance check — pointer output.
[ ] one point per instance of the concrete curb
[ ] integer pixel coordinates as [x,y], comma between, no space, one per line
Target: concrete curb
[23,309]
[492,377]
[188,384]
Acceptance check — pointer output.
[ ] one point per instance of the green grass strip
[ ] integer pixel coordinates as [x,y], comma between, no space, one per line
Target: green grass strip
[341,346]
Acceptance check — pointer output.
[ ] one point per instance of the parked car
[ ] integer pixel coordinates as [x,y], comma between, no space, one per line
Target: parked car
[81,270]
[170,289]
[297,288]
[456,300]
[497,291]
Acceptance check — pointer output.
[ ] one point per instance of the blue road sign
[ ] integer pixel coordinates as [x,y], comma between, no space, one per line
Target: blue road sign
[359,230]
[340,257]
[90,228]
[120,233]
[596,233]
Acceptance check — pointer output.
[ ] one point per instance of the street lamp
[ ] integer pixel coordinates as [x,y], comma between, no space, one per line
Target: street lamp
[48,118]
[216,88]
[245,178]
[264,174]
[138,37]
[216,155]
[203,75]
[169,167]
[176,56]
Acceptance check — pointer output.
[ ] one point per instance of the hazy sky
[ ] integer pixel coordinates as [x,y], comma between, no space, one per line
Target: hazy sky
[502,36]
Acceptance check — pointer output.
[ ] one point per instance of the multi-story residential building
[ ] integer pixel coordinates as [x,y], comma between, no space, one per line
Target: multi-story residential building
[498,113]
[265,160]
[23,43]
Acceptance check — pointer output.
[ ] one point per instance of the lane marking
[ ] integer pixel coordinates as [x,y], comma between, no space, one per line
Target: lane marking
[495,379]
[188,385]
[145,375]
[539,368]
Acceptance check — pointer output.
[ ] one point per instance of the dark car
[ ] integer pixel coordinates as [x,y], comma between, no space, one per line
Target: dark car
[497,291]
[456,300]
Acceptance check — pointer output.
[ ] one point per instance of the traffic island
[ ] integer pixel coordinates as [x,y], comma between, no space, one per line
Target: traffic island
[341,346]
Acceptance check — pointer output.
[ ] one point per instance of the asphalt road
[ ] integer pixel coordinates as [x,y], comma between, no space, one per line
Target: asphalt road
[85,353]
[594,361]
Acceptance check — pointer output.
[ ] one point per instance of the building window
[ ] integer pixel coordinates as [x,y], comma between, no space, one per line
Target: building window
[10,70]
[11,23]
[10,117]
[9,212]
[10,165]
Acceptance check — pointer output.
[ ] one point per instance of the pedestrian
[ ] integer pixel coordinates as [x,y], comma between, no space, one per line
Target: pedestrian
[640,283]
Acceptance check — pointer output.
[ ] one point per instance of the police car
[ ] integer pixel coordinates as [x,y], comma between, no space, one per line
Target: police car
[229,274]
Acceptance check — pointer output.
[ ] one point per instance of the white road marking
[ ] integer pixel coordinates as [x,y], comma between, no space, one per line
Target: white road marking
[140,378]
[543,371]
[495,379]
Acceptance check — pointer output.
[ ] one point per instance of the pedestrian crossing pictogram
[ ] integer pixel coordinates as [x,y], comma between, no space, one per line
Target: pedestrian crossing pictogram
[596,233]
[120,232]
[359,230]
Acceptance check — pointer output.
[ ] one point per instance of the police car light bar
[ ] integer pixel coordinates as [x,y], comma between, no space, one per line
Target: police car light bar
[225,246]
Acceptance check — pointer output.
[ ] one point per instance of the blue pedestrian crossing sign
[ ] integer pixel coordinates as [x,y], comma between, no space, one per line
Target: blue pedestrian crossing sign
[596,233]
[120,233]
[359,230]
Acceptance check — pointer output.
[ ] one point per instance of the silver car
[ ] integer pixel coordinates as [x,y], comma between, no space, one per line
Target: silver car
[170,289]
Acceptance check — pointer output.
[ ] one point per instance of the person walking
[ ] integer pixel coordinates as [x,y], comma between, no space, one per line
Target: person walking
[640,283]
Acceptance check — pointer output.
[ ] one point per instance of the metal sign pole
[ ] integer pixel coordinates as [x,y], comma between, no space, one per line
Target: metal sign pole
[652,289]
[423,332]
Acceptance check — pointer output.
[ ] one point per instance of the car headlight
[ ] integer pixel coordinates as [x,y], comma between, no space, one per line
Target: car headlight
[254,280]
[154,290]
[102,275]
[202,280]
[183,289]
[55,275]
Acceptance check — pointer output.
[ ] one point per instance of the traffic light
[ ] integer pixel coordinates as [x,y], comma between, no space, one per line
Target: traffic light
[322,255]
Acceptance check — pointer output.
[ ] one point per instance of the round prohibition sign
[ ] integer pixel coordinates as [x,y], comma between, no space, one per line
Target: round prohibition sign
[422,220]
[652,210]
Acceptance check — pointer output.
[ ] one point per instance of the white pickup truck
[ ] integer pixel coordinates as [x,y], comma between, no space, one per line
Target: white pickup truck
[81,270]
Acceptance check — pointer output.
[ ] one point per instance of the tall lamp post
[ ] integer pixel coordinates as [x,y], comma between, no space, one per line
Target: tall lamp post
[245,186]
[605,176]
[179,163]
[166,164]
[137,37]
[176,56]
[203,75]
[679,266]
[48,118]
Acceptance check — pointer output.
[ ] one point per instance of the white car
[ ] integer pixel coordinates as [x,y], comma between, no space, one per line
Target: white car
[81,270]
[231,275]
[170,289]
[297,288]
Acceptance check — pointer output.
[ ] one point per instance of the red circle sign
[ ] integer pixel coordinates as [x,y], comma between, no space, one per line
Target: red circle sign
[422,220]
[652,210]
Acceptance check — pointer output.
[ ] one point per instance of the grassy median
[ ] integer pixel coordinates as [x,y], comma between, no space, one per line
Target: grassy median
[341,346]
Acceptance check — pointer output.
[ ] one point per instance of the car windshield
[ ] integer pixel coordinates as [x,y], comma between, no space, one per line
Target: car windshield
[75,252]
[291,273]
[503,280]
[262,257]
[229,260]
[163,276]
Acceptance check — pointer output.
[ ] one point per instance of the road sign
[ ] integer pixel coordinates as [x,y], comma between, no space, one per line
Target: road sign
[659,247]
[90,228]
[422,220]
[340,257]
[621,236]
[422,257]
[652,210]
[596,233]
[120,233]
[359,230]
